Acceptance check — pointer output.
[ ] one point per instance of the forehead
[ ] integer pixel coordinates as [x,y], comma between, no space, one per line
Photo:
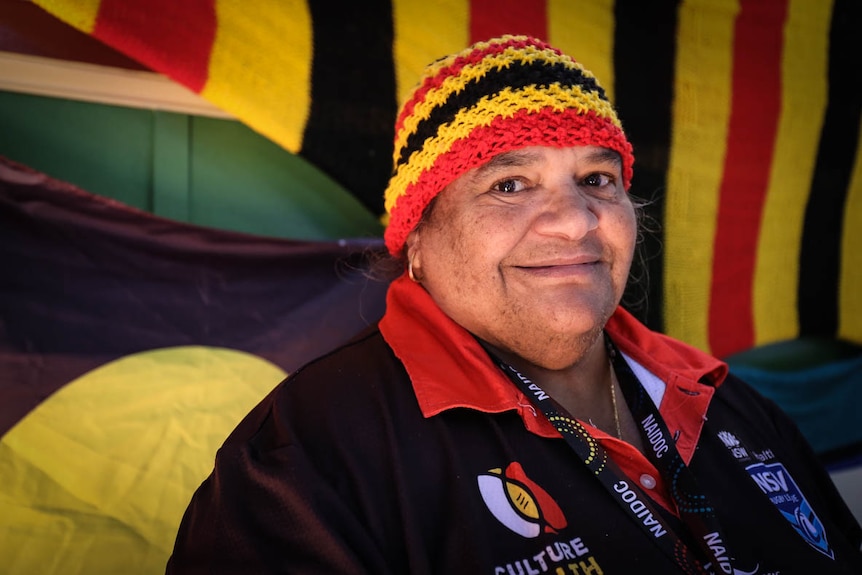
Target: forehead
[543,154]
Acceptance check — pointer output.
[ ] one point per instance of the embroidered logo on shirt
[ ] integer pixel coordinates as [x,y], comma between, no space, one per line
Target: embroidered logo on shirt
[519,503]
[732,442]
[728,439]
[774,480]
[741,452]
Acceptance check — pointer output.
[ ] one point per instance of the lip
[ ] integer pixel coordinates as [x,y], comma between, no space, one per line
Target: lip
[579,266]
[577,260]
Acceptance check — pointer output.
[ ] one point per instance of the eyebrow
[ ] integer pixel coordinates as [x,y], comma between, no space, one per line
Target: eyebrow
[514,158]
[605,155]
[517,158]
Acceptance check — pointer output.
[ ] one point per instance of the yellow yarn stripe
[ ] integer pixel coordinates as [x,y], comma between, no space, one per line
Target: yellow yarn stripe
[262,52]
[80,14]
[434,67]
[454,84]
[803,106]
[585,29]
[505,104]
[701,115]
[423,31]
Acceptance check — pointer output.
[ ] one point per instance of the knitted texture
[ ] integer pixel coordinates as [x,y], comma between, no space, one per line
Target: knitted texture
[496,96]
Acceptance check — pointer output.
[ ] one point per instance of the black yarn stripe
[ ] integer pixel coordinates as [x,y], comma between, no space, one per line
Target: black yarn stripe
[492,82]
[348,134]
[820,253]
[644,60]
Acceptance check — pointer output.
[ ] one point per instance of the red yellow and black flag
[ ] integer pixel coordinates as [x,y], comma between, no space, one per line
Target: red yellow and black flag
[130,346]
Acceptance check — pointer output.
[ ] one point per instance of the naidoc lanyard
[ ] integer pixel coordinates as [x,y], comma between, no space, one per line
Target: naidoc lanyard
[694,509]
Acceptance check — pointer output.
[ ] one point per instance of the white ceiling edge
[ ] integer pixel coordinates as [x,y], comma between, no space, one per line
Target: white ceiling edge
[100,84]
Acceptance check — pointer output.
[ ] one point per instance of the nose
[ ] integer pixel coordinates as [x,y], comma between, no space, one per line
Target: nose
[566,212]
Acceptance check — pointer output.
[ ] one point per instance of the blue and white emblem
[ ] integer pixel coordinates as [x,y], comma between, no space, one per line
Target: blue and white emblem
[774,480]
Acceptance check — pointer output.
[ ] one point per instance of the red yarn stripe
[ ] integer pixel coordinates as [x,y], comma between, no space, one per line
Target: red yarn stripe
[492,18]
[166,35]
[755,111]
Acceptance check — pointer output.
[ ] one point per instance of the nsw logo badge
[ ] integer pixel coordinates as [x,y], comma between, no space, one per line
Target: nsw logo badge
[774,480]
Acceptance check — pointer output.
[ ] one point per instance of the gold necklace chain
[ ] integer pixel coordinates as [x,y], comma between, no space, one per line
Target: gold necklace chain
[614,401]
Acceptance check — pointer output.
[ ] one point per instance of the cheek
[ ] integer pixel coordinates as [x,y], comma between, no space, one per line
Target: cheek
[624,232]
[464,251]
[461,261]
[627,230]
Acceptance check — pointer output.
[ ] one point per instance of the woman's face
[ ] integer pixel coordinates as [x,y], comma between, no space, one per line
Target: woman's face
[530,252]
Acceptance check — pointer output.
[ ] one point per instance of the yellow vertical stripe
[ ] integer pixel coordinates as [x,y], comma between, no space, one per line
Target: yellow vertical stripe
[850,286]
[803,105]
[701,112]
[584,29]
[80,14]
[260,66]
[424,32]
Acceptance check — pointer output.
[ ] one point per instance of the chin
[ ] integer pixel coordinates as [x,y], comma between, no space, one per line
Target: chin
[561,350]
[576,329]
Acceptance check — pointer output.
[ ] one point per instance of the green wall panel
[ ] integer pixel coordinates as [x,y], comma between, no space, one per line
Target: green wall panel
[104,149]
[170,191]
[206,171]
[243,180]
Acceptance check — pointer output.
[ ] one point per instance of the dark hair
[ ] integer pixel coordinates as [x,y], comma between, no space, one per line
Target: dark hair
[386,267]
[636,293]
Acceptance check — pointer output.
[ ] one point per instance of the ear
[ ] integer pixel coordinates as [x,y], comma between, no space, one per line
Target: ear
[413,244]
[414,254]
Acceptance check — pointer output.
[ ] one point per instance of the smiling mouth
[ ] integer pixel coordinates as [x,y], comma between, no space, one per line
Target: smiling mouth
[583,261]
[561,265]
[562,269]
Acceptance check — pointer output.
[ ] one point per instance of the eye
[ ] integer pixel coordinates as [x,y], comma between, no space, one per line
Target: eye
[597,180]
[599,185]
[509,186]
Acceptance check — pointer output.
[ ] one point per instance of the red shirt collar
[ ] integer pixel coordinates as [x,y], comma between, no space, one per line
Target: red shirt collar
[449,369]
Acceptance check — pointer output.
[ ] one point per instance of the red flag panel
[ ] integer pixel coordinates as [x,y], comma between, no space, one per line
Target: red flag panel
[756,108]
[156,31]
[489,18]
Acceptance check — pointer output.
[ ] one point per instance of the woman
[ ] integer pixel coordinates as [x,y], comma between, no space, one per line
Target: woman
[507,416]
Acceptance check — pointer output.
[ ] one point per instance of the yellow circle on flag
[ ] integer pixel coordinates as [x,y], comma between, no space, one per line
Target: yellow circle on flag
[96,478]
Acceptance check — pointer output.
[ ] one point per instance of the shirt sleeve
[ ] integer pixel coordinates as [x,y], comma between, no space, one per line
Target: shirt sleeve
[271,512]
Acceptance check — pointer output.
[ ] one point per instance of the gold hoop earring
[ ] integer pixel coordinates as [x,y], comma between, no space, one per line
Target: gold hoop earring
[410,271]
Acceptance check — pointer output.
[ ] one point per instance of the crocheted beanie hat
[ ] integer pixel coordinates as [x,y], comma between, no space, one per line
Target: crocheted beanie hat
[496,96]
